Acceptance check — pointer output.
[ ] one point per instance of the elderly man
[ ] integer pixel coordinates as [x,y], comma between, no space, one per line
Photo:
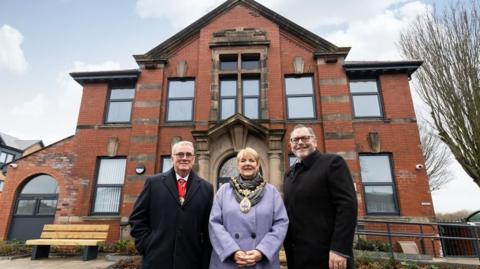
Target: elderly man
[321,205]
[170,218]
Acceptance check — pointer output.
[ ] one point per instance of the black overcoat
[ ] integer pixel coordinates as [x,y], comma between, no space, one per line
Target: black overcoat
[321,205]
[168,235]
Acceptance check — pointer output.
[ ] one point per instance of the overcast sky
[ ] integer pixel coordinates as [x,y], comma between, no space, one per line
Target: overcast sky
[42,41]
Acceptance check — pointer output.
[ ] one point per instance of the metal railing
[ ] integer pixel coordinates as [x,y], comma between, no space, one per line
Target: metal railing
[431,238]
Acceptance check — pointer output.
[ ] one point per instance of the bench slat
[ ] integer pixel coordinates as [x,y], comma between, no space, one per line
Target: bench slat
[74,235]
[76,227]
[64,242]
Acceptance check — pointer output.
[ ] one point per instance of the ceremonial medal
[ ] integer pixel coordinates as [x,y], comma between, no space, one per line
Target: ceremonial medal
[245,205]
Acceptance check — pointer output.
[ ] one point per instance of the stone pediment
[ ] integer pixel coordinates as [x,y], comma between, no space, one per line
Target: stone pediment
[238,126]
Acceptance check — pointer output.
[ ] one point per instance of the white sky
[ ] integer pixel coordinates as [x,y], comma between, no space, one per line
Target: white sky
[42,41]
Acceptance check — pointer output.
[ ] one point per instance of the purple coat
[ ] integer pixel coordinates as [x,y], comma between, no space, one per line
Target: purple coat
[263,228]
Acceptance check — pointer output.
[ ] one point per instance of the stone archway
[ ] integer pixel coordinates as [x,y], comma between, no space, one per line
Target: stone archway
[224,140]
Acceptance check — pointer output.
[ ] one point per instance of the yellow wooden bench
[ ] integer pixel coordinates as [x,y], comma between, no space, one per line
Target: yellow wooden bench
[89,236]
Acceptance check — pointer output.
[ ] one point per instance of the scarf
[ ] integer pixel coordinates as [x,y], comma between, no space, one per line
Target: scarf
[253,189]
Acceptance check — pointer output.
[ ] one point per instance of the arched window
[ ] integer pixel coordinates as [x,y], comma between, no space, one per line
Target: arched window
[38,197]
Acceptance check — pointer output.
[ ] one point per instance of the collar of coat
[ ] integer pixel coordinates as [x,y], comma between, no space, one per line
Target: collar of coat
[310,159]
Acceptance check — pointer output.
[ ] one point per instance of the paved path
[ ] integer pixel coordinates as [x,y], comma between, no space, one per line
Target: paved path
[56,263]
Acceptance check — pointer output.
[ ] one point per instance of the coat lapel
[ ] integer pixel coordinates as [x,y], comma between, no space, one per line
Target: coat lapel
[171,186]
[192,190]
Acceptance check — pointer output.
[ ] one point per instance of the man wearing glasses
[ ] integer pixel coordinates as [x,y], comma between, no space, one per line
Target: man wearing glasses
[321,205]
[170,218]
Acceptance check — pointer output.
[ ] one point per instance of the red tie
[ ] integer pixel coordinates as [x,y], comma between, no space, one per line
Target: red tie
[182,189]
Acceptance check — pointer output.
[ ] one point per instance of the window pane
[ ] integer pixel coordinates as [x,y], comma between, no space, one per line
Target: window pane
[119,111]
[250,61]
[379,199]
[47,207]
[302,85]
[366,106]
[228,108]
[229,168]
[228,88]
[1,185]
[107,200]
[179,110]
[300,107]
[178,89]
[228,63]
[251,87]
[112,171]
[3,157]
[375,168]
[251,108]
[166,164]
[42,184]
[122,94]
[25,207]
[363,86]
[9,158]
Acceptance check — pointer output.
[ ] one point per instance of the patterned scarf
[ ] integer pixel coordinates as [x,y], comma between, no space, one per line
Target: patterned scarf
[253,189]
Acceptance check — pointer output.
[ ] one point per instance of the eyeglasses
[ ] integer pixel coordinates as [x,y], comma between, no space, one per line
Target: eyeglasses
[296,140]
[182,155]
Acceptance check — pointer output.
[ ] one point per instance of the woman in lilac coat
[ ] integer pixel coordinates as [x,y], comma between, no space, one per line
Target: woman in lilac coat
[248,221]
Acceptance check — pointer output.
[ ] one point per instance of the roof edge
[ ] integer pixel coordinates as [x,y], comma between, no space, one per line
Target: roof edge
[377,67]
[120,76]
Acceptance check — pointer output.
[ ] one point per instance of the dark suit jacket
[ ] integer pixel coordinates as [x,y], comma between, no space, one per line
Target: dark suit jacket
[168,235]
[321,205]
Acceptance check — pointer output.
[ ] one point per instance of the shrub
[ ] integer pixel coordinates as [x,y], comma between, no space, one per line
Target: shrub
[14,247]
[375,245]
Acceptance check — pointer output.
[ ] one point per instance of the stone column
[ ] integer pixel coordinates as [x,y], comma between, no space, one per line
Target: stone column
[275,149]
[204,166]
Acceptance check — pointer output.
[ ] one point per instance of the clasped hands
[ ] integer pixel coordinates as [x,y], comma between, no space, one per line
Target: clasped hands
[247,258]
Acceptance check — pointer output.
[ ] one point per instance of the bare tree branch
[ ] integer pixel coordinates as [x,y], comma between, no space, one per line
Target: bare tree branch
[449,80]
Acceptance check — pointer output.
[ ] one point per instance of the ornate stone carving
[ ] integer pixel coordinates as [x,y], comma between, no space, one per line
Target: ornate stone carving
[298,65]
[374,142]
[112,146]
[182,68]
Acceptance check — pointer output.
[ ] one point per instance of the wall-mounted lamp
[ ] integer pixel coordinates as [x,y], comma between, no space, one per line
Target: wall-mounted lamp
[13,165]
[419,166]
[140,169]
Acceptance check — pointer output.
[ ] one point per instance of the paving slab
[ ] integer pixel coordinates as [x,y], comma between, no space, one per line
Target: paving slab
[56,263]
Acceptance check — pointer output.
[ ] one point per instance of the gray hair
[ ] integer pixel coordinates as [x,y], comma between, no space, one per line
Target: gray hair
[300,126]
[182,143]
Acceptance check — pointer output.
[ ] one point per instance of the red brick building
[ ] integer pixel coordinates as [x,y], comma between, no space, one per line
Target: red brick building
[242,75]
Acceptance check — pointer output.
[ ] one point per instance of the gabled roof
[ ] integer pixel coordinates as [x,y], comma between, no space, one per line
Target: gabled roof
[161,52]
[16,143]
[238,119]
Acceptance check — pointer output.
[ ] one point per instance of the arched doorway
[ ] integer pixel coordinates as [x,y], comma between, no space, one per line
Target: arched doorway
[227,170]
[35,206]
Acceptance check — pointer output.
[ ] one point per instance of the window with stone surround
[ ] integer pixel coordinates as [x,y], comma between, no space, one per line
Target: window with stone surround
[239,85]
[378,184]
[300,97]
[366,98]
[180,99]
[108,190]
[119,108]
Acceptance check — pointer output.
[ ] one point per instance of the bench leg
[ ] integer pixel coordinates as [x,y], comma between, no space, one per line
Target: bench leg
[40,252]
[89,253]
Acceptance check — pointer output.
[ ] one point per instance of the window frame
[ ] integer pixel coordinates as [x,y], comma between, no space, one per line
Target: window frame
[96,186]
[7,154]
[110,101]
[312,95]
[230,97]
[162,163]
[192,99]
[245,97]
[378,93]
[239,75]
[391,184]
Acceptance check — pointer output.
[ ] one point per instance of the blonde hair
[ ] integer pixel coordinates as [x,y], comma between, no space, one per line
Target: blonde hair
[248,152]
